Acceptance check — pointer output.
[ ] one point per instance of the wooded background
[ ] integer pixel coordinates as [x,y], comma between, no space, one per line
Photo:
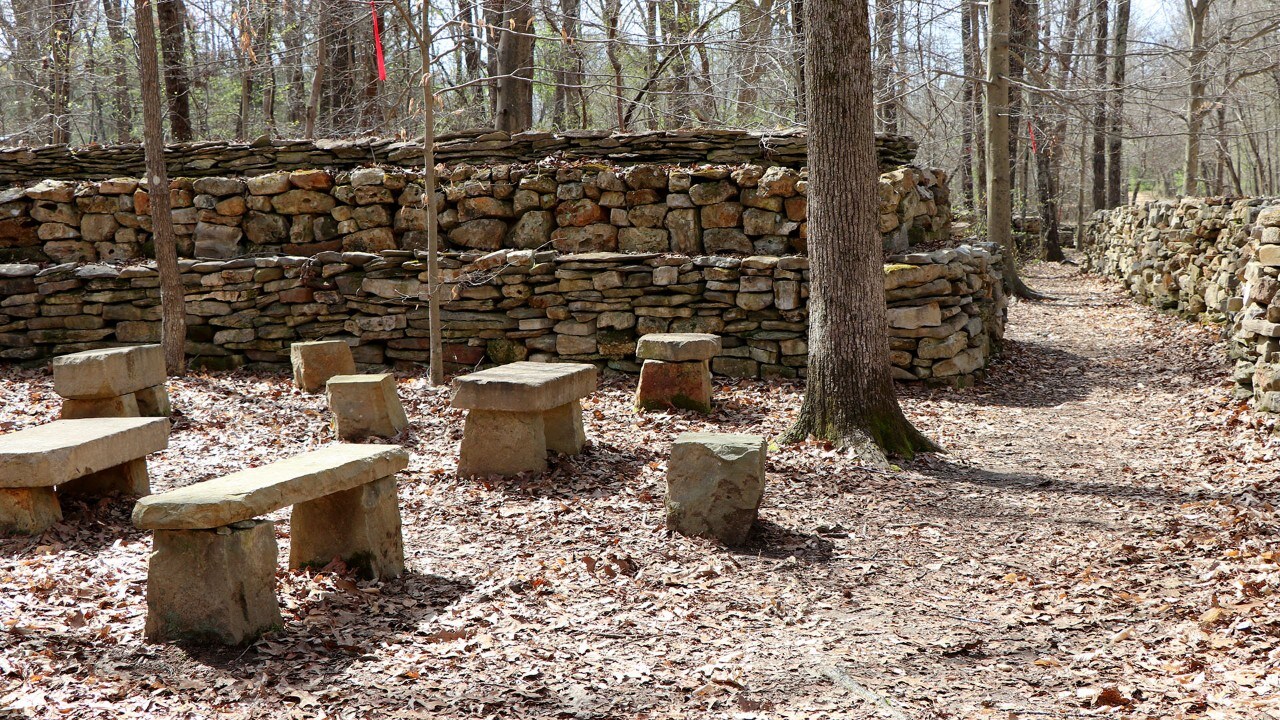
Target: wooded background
[1108,99]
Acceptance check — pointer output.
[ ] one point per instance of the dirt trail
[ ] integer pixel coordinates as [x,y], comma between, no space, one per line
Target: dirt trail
[1098,541]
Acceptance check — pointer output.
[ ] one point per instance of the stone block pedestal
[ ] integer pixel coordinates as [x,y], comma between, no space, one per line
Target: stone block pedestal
[714,485]
[502,443]
[127,479]
[315,362]
[676,373]
[213,586]
[361,526]
[365,406]
[28,511]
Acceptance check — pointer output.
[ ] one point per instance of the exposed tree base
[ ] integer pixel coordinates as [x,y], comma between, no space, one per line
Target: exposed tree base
[873,445]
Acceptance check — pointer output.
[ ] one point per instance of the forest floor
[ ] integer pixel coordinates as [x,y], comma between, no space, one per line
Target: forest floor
[1099,541]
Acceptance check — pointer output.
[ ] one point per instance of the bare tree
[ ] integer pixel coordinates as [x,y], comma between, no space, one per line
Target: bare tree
[849,396]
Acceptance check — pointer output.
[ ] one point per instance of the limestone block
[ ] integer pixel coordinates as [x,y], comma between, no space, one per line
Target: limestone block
[315,362]
[120,406]
[28,511]
[249,493]
[212,586]
[678,347]
[664,385]
[502,443]
[365,405]
[524,387]
[562,427]
[108,373]
[125,479]
[914,317]
[714,485]
[153,401]
[361,526]
[60,451]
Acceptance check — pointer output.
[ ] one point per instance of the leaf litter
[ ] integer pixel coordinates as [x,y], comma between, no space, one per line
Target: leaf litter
[1099,541]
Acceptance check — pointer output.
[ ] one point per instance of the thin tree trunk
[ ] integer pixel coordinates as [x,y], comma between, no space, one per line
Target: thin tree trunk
[849,396]
[886,105]
[61,30]
[172,300]
[1099,195]
[1197,12]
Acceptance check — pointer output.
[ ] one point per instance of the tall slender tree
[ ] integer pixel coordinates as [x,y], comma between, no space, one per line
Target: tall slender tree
[173,324]
[849,397]
[177,81]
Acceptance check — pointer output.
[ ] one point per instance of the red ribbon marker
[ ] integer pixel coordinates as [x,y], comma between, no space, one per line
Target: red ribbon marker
[377,42]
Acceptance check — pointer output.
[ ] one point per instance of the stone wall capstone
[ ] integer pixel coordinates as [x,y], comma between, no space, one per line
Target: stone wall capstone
[579,207]
[1216,259]
[21,165]
[946,308]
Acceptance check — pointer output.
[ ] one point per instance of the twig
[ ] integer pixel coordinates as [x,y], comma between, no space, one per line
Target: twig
[878,703]
[966,619]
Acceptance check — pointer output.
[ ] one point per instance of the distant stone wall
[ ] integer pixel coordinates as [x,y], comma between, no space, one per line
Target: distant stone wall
[22,165]
[946,308]
[583,207]
[1214,259]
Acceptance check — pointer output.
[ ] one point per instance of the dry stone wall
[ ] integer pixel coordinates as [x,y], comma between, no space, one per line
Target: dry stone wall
[572,208]
[24,165]
[946,308]
[1216,259]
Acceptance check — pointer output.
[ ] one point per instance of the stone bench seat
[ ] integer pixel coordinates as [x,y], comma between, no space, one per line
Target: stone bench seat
[87,457]
[211,575]
[676,372]
[517,412]
[113,382]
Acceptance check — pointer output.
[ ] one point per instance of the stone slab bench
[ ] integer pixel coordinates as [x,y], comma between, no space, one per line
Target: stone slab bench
[113,382]
[517,412]
[211,576]
[676,371]
[88,457]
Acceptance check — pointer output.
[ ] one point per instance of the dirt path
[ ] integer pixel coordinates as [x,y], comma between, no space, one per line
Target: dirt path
[1098,541]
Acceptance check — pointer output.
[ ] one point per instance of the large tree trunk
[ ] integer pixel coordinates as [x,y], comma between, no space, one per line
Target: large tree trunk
[1115,176]
[172,302]
[513,111]
[121,107]
[1100,20]
[849,397]
[177,82]
[61,31]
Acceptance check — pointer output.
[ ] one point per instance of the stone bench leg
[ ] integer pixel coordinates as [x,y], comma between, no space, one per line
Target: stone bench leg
[563,428]
[213,586]
[28,511]
[664,385]
[502,443]
[122,406]
[153,401]
[360,525]
[127,479]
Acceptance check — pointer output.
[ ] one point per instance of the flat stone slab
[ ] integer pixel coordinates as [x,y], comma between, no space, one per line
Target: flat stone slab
[108,373]
[678,347]
[63,450]
[525,387]
[249,493]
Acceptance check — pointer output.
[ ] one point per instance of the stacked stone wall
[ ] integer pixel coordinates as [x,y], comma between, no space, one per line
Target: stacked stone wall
[572,208]
[1215,259]
[22,165]
[946,308]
